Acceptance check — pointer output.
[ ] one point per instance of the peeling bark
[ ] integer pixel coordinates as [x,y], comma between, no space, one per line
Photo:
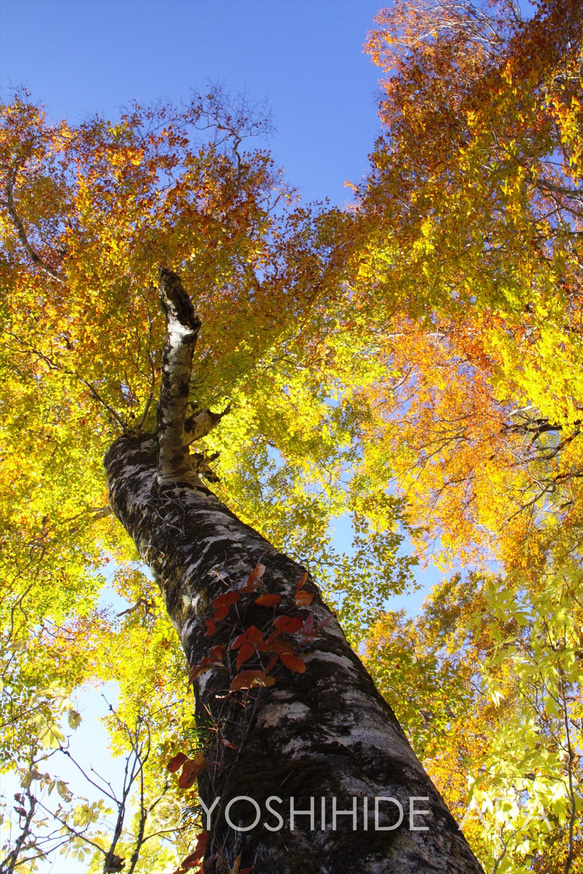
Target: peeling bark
[321,741]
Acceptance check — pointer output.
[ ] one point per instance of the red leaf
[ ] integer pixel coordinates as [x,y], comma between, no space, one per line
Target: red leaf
[288,624]
[247,650]
[254,635]
[197,854]
[221,612]
[232,597]
[279,646]
[292,662]
[218,653]
[270,664]
[268,600]
[324,623]
[211,627]
[248,679]
[226,599]
[176,762]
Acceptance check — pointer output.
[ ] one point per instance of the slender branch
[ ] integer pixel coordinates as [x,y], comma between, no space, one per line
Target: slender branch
[70,829]
[571,757]
[21,233]
[11,861]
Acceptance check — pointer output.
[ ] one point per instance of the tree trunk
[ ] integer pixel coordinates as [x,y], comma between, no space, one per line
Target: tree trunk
[296,731]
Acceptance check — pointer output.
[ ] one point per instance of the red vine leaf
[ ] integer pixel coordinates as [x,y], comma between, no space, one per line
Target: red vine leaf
[247,650]
[196,855]
[303,579]
[176,762]
[205,665]
[288,624]
[222,603]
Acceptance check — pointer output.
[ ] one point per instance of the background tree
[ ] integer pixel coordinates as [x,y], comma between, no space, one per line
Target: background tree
[470,267]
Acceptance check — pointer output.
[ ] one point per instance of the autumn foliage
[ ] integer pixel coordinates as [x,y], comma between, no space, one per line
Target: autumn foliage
[413,361]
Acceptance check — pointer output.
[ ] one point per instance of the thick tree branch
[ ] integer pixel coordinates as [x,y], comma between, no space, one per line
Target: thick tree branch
[182,326]
[177,430]
[202,422]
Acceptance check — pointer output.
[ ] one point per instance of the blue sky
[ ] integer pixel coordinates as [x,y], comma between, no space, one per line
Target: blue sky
[304,57]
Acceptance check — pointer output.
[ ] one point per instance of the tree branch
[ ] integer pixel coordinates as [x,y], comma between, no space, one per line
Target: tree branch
[182,327]
[21,233]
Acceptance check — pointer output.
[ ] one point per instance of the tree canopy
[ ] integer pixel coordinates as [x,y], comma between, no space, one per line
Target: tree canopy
[414,361]
[471,268]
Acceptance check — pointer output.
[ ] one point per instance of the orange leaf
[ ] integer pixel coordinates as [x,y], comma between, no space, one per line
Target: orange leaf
[248,679]
[268,600]
[292,662]
[254,578]
[302,581]
[303,599]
